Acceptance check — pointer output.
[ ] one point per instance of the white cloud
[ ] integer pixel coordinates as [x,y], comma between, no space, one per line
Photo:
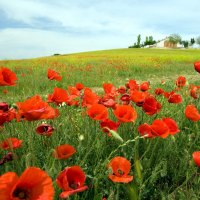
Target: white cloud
[72,26]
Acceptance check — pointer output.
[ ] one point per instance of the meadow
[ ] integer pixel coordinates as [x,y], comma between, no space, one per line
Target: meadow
[126,139]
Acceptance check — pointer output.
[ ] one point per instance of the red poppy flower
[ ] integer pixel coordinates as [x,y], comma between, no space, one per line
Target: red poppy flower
[110,89]
[44,129]
[79,86]
[6,115]
[5,91]
[71,180]
[197,66]
[59,95]
[64,151]
[7,158]
[108,125]
[138,97]
[11,114]
[3,117]
[125,113]
[168,94]
[195,91]
[173,127]
[121,90]
[33,184]
[125,98]
[11,143]
[132,85]
[73,91]
[159,128]
[7,77]
[196,158]
[192,113]
[145,130]
[72,100]
[4,106]
[107,102]
[35,109]
[89,98]
[120,167]
[181,81]
[53,75]
[98,112]
[175,98]
[151,106]
[144,86]
[159,91]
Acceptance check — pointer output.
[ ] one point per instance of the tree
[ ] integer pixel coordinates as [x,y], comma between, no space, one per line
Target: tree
[174,38]
[192,41]
[150,39]
[198,40]
[147,40]
[138,39]
[185,43]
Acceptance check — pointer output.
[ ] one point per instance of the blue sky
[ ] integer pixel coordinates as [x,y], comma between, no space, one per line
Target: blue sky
[35,28]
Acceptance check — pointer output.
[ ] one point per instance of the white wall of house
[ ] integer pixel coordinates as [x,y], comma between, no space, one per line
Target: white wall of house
[194,46]
[180,45]
[160,44]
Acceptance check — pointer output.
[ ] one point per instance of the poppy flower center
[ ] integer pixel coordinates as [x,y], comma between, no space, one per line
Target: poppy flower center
[21,194]
[120,172]
[74,185]
[45,128]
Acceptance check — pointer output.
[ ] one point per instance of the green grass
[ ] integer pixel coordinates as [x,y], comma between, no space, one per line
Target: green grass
[167,168]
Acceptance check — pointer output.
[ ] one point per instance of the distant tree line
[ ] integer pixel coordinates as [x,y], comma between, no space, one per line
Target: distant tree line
[173,38]
[149,41]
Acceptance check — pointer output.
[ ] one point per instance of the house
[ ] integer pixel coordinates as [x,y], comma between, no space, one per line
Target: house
[165,43]
[194,46]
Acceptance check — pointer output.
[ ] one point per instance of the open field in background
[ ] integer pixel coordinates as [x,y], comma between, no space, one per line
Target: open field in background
[163,169]
[114,66]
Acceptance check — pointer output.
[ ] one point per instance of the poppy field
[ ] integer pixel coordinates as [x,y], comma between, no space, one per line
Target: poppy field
[107,125]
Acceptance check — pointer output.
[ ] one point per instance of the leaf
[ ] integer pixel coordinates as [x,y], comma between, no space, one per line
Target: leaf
[116,136]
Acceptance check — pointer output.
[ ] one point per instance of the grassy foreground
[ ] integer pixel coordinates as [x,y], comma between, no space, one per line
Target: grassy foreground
[162,168]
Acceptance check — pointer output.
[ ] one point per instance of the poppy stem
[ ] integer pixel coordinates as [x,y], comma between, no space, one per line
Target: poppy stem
[132,192]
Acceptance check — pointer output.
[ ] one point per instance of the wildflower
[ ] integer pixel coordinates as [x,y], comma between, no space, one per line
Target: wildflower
[53,75]
[159,91]
[10,143]
[125,113]
[181,81]
[196,158]
[108,125]
[151,106]
[33,184]
[197,66]
[195,91]
[59,96]
[64,151]
[35,109]
[145,130]
[89,98]
[144,86]
[132,85]
[71,180]
[175,98]
[97,112]
[7,158]
[79,86]
[120,167]
[192,113]
[7,77]
[44,129]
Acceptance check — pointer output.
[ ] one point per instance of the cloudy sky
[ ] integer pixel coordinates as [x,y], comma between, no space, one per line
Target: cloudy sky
[35,28]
